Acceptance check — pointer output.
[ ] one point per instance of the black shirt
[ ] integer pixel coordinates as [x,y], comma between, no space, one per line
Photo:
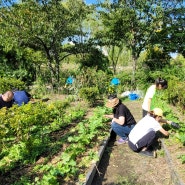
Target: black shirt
[122,110]
[5,104]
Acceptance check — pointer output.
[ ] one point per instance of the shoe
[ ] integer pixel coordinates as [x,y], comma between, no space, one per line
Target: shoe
[148,153]
[122,141]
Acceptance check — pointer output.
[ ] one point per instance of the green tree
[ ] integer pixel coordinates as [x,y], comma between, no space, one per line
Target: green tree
[172,32]
[132,23]
[43,26]
[18,64]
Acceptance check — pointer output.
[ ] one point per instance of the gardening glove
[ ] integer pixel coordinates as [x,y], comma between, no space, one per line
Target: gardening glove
[175,125]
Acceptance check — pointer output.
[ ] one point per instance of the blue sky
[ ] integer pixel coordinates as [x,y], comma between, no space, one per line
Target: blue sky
[91,1]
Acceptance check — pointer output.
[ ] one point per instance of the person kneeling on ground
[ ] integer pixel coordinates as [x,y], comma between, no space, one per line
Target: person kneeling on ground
[143,134]
[122,119]
[21,97]
[6,99]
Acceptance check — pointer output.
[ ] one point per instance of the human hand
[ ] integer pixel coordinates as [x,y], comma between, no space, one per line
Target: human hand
[108,116]
[175,125]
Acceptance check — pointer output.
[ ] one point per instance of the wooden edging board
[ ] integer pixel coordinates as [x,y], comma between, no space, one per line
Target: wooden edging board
[92,171]
[174,175]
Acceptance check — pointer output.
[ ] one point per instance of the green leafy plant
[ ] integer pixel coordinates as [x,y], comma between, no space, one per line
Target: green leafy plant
[90,94]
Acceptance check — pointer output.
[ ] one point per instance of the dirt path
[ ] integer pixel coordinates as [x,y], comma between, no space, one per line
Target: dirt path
[120,165]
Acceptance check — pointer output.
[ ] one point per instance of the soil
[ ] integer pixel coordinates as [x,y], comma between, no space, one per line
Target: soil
[119,165]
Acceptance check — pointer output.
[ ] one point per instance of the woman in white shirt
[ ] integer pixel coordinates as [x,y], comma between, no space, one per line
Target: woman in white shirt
[159,84]
[143,134]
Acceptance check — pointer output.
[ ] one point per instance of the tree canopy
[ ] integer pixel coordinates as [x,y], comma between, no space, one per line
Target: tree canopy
[42,31]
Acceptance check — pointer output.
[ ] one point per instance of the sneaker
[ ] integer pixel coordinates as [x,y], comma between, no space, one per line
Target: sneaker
[122,141]
[147,153]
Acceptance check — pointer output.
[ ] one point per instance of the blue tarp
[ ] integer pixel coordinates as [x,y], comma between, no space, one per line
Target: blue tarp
[115,81]
[69,80]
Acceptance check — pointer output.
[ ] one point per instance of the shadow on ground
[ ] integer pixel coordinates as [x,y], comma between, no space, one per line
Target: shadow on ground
[104,163]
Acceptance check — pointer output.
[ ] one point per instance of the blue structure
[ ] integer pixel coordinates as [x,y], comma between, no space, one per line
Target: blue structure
[69,80]
[115,81]
[133,96]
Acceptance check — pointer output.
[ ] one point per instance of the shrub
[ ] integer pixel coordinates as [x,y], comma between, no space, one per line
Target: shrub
[89,94]
[10,84]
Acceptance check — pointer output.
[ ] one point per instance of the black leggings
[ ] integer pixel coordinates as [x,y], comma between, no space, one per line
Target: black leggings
[145,141]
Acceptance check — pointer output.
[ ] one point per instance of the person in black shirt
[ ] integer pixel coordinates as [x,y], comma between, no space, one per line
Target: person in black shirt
[122,119]
[6,99]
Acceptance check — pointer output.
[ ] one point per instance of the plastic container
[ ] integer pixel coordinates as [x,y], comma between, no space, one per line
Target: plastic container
[133,96]
[115,81]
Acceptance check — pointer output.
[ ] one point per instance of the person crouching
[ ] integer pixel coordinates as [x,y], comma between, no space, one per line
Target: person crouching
[122,119]
[143,134]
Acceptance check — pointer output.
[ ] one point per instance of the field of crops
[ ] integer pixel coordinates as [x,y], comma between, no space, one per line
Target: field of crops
[49,143]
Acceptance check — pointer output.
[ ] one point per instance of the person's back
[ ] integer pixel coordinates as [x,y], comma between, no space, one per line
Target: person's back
[144,126]
[21,97]
[6,99]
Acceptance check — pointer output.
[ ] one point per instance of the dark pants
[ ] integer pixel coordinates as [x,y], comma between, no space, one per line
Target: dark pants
[145,141]
[144,113]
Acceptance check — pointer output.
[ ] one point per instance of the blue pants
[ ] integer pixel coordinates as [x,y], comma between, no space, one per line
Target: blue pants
[122,130]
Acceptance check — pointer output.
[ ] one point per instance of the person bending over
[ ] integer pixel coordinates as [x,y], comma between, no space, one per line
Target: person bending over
[21,97]
[143,134]
[6,99]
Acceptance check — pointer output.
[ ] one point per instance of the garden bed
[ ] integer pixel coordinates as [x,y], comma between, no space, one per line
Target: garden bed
[71,143]
[113,163]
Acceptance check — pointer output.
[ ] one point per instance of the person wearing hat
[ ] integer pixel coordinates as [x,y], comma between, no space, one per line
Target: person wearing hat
[122,119]
[160,84]
[143,134]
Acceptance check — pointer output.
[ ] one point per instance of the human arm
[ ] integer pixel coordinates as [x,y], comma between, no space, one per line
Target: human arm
[108,116]
[166,133]
[175,125]
[120,120]
[149,103]
[165,121]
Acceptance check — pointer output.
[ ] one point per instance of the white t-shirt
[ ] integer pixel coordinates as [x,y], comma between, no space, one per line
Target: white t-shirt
[149,94]
[144,126]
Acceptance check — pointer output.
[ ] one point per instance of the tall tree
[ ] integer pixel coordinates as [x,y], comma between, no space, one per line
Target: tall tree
[133,23]
[43,26]
[171,33]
